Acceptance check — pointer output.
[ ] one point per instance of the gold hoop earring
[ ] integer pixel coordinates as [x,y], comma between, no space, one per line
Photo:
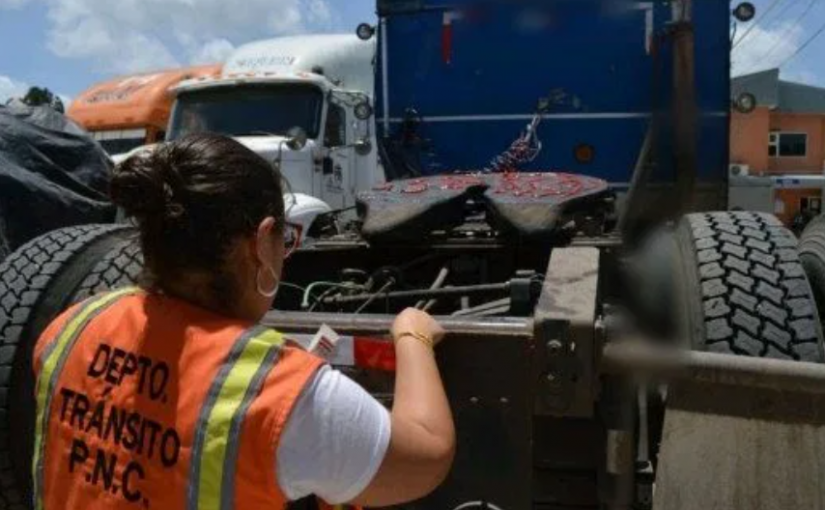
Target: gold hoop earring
[261,291]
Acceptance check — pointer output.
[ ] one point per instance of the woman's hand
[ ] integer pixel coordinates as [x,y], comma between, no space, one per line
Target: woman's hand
[422,442]
[415,321]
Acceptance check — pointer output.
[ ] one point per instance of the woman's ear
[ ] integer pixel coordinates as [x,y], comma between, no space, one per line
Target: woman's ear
[265,250]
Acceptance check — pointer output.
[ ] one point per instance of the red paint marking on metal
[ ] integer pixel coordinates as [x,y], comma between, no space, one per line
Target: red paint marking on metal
[460,182]
[374,353]
[527,185]
[416,186]
[542,185]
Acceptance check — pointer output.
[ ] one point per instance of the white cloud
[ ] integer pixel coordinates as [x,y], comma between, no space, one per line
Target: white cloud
[216,50]
[766,48]
[135,35]
[319,11]
[10,89]
[80,31]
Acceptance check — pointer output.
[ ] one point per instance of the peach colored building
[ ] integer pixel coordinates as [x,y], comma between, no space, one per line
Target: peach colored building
[783,137]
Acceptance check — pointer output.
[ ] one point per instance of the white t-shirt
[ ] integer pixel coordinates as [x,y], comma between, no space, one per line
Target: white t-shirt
[334,441]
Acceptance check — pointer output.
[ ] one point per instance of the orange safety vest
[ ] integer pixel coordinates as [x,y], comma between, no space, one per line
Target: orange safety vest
[145,402]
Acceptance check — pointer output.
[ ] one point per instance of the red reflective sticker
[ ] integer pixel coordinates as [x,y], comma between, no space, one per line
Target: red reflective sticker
[374,353]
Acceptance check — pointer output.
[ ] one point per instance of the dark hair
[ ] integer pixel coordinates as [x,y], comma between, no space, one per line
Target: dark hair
[192,198]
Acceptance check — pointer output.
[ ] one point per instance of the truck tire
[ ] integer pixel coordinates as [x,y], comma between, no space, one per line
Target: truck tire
[121,267]
[5,245]
[37,282]
[742,290]
[812,256]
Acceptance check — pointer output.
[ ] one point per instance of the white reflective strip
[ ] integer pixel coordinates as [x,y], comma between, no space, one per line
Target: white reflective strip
[119,134]
[549,116]
[385,76]
[528,117]
[344,355]
[648,8]
[649,29]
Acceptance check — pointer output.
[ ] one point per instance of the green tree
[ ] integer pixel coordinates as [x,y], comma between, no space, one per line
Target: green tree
[38,96]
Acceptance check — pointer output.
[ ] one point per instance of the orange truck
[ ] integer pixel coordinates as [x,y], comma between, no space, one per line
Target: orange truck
[130,111]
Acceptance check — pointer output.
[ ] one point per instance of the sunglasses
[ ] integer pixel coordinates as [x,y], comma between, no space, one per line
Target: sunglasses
[292,238]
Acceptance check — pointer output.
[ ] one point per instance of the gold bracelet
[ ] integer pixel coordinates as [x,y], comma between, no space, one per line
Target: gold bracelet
[421,337]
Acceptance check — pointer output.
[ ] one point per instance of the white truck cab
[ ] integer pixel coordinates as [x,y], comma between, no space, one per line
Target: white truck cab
[303,102]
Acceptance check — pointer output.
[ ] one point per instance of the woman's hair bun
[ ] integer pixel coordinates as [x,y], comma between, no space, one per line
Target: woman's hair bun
[140,185]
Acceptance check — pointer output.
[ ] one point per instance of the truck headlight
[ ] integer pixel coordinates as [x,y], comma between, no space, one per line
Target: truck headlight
[363,111]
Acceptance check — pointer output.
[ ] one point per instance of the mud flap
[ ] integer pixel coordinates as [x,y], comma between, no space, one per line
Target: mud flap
[728,447]
[740,432]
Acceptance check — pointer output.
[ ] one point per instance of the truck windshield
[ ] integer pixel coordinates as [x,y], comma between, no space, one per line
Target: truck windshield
[248,110]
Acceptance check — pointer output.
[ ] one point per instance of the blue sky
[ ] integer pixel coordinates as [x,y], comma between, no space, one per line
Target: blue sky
[68,45]
[787,34]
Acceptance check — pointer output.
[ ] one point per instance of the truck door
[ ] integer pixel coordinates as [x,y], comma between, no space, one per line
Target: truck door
[337,165]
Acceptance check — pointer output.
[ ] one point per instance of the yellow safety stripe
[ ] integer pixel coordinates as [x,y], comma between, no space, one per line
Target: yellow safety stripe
[217,433]
[54,357]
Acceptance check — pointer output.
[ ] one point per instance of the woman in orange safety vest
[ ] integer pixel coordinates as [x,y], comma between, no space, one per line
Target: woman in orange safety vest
[169,396]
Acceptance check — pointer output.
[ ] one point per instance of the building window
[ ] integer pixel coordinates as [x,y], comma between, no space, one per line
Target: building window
[787,145]
[811,204]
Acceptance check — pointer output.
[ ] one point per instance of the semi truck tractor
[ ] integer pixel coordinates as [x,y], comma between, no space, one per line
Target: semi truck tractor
[319,87]
[600,353]
[302,102]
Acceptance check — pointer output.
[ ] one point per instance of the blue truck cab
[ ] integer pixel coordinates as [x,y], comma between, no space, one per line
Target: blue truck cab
[457,81]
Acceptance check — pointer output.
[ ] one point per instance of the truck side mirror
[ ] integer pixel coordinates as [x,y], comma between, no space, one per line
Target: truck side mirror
[744,12]
[745,103]
[363,147]
[297,139]
[365,31]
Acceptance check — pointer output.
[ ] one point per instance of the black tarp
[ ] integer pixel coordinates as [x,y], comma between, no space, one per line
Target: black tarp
[52,174]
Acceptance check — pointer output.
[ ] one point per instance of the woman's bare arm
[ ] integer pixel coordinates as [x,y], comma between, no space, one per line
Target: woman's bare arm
[422,444]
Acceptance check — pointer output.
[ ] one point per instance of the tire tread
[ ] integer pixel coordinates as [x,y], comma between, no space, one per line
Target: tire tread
[755,295]
[26,277]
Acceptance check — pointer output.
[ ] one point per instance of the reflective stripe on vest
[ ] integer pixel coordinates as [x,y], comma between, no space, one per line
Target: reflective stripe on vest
[52,361]
[217,432]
